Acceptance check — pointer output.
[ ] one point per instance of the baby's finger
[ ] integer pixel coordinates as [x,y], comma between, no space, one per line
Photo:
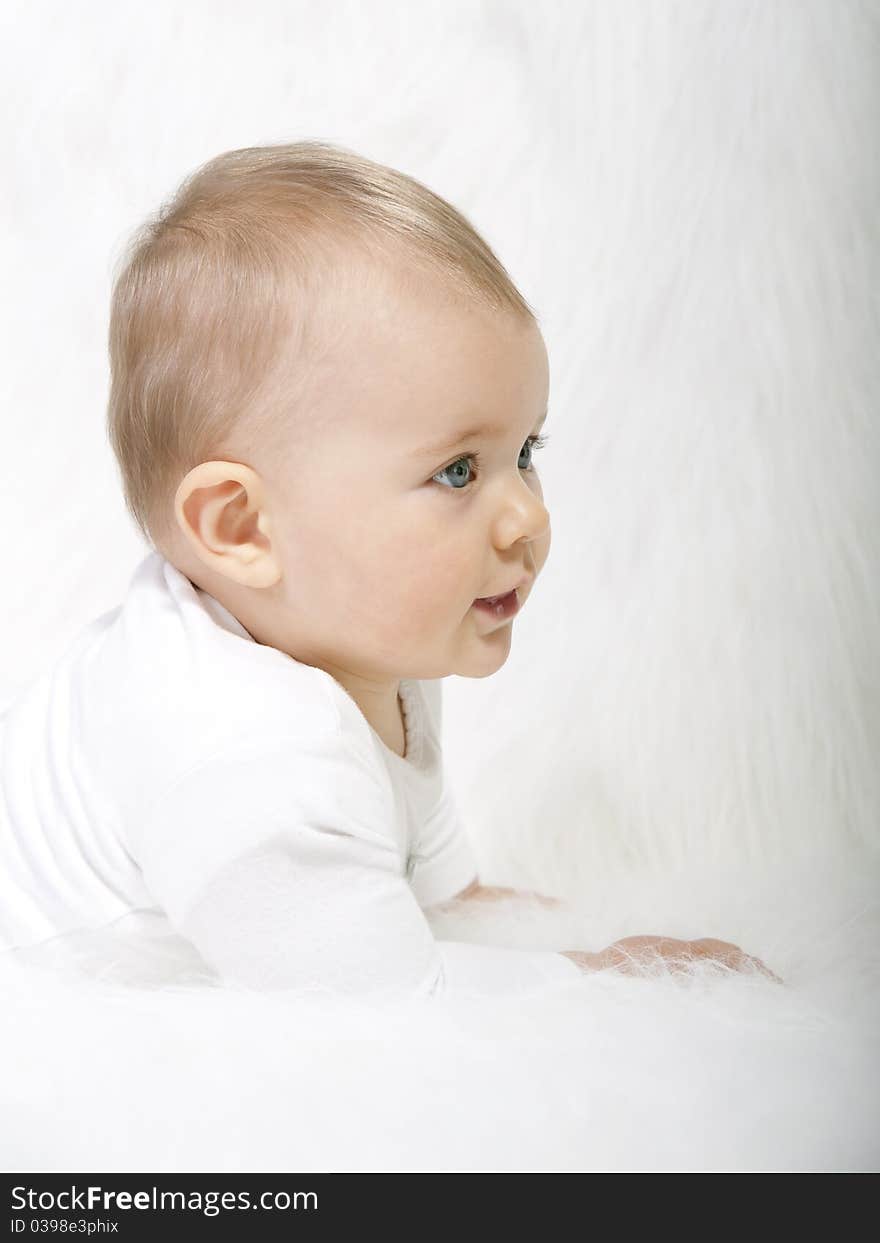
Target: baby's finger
[736,957]
[766,970]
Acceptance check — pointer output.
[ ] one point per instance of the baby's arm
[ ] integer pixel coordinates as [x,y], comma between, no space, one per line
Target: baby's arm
[277,859]
[632,954]
[269,920]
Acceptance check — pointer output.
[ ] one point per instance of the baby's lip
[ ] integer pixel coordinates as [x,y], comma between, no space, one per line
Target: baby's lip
[527,579]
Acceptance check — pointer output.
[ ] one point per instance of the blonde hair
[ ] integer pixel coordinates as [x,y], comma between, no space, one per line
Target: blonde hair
[242,264]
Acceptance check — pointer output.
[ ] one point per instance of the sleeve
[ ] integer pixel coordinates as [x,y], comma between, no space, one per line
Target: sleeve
[280,865]
[441,862]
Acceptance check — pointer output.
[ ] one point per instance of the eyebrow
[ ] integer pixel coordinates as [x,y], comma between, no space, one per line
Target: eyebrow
[470,433]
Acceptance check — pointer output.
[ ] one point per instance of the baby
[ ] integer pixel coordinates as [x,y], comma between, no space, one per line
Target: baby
[327,396]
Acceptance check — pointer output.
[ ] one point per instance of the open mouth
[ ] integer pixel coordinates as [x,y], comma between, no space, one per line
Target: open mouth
[499,606]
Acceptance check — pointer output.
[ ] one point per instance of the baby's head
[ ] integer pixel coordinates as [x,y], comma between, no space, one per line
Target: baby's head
[325,393]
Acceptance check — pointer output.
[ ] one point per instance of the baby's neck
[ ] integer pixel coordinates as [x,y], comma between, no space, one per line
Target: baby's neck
[388,724]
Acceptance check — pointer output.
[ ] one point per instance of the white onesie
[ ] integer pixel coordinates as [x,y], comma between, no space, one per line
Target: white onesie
[169,761]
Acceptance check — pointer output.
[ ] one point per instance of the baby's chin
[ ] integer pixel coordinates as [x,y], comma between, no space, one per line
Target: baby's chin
[477,649]
[484,651]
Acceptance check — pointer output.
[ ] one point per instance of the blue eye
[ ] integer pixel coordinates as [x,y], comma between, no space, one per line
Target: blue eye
[533,442]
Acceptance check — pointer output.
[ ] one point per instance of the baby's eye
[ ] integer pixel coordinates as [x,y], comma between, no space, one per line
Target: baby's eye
[457,470]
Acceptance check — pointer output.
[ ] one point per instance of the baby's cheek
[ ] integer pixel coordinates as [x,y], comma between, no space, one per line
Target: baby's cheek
[427,600]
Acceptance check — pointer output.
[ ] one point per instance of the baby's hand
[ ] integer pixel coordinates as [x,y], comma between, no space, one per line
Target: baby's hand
[633,954]
[494,893]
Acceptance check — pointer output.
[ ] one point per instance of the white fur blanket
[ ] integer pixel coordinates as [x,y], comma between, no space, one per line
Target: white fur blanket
[131,1057]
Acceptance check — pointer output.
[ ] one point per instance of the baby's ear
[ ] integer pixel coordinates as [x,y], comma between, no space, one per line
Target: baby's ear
[220,508]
